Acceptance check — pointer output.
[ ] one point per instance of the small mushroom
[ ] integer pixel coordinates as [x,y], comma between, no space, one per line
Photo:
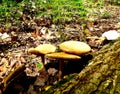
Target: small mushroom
[62,56]
[42,50]
[75,47]
[111,35]
[106,36]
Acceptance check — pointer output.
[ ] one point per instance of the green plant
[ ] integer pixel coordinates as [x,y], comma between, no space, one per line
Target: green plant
[105,15]
[39,66]
[57,10]
[8,12]
[62,10]
[116,2]
[93,8]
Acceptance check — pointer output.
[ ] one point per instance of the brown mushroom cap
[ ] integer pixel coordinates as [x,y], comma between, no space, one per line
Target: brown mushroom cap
[42,49]
[75,47]
[62,55]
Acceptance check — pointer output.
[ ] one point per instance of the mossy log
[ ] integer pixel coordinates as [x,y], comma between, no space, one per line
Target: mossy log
[100,76]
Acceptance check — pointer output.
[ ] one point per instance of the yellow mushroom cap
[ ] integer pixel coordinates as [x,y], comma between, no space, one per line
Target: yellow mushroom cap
[33,51]
[75,47]
[46,48]
[62,55]
[42,49]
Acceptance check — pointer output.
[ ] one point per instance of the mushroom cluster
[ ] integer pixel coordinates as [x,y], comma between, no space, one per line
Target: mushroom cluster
[70,50]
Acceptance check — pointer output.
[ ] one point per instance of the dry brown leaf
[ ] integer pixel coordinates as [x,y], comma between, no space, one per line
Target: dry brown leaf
[1,30]
[4,64]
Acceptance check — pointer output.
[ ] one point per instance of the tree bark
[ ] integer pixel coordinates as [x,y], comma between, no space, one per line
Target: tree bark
[100,76]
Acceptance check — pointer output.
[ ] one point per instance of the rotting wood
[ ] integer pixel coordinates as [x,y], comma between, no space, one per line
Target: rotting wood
[13,75]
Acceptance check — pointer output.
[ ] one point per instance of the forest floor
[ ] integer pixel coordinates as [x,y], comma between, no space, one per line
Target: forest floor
[14,50]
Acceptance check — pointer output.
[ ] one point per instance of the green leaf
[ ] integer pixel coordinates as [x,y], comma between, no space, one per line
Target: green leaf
[39,66]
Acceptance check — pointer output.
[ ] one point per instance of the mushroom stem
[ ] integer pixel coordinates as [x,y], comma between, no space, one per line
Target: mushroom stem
[61,63]
[62,56]
[43,58]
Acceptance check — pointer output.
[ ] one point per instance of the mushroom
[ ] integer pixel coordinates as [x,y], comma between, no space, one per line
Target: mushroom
[105,37]
[42,50]
[75,47]
[111,35]
[62,56]
[33,51]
